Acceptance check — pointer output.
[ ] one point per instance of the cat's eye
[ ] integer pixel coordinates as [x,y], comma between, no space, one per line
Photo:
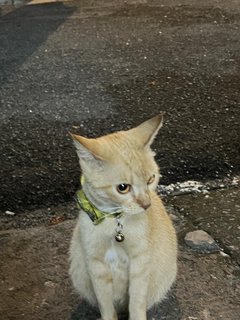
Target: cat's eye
[123,188]
[151,179]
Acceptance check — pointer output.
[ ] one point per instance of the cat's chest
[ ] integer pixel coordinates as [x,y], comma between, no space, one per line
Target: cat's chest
[116,257]
[99,240]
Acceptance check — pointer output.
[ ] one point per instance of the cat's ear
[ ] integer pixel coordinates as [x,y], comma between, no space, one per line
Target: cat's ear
[87,149]
[145,133]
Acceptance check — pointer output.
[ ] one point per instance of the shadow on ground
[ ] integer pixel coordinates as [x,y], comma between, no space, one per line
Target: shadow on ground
[23,31]
[168,310]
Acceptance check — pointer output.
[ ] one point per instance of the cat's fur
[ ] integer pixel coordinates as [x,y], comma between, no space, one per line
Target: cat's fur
[136,273]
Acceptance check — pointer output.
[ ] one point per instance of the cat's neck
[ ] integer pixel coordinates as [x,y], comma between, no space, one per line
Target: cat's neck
[98,199]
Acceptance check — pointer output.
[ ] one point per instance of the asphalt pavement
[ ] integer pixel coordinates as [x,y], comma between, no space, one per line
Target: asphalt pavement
[93,67]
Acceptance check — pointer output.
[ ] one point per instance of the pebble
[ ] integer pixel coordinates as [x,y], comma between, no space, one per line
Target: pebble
[173,217]
[201,242]
[224,254]
[10,213]
[11,288]
[50,284]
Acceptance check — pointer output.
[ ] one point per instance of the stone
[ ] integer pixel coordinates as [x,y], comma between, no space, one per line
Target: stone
[201,242]
[10,213]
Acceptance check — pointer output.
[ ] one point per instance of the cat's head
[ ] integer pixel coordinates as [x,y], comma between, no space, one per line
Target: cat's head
[120,168]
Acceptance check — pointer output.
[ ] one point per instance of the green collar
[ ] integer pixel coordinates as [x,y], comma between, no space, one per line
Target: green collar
[96,215]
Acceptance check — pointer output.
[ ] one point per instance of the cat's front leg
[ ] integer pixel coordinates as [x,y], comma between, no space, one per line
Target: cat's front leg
[102,284]
[138,290]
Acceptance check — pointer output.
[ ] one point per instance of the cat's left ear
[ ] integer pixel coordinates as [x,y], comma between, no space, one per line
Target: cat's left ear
[145,133]
[88,150]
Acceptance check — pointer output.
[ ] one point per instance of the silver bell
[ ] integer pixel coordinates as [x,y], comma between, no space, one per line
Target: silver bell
[119,237]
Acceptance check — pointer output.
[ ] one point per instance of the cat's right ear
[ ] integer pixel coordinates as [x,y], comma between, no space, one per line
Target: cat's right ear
[87,149]
[145,133]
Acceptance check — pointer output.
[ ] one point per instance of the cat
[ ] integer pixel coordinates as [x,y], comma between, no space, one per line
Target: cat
[123,251]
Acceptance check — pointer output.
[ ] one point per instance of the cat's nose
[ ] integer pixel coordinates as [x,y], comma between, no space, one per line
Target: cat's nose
[144,202]
[145,206]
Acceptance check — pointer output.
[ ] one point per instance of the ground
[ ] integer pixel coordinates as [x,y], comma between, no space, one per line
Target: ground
[93,67]
[34,264]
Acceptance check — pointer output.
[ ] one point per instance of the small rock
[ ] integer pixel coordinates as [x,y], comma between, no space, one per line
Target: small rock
[11,288]
[224,254]
[10,213]
[50,284]
[201,242]
[173,217]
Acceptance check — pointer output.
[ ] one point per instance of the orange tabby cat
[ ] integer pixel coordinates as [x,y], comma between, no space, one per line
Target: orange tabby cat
[123,251]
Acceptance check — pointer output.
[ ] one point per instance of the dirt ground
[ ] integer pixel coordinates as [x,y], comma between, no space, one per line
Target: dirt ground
[34,282]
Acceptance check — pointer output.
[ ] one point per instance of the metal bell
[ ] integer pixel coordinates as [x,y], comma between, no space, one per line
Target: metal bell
[119,237]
